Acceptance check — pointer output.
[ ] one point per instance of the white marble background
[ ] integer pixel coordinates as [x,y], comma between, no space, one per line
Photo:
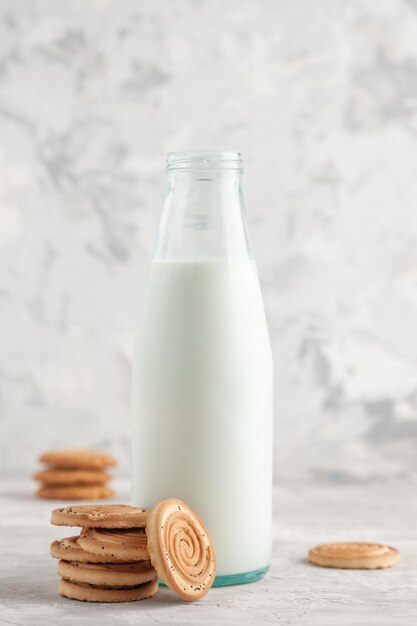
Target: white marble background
[321,98]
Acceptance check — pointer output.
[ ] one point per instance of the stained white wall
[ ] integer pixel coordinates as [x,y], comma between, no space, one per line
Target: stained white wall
[321,98]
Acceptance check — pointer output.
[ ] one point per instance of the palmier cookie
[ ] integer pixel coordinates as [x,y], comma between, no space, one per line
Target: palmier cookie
[181,550]
[108,575]
[100,516]
[128,544]
[354,555]
[68,549]
[87,593]
[87,459]
[75,492]
[72,477]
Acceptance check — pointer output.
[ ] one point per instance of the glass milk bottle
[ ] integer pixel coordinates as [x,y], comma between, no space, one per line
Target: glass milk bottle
[202,374]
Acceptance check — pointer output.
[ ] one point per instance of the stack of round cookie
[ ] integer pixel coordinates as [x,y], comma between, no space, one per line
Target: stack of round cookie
[75,475]
[123,550]
[109,560]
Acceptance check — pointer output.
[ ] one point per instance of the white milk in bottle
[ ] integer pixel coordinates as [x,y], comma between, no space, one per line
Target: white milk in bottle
[202,375]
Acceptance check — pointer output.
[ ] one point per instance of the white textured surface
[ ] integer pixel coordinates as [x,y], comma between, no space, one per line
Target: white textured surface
[294,593]
[321,97]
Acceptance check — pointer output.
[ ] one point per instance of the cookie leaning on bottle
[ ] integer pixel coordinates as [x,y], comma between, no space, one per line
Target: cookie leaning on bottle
[180,549]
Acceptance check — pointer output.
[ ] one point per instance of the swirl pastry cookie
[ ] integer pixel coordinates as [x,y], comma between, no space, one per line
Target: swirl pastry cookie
[86,459]
[100,516]
[88,593]
[354,555]
[128,544]
[68,549]
[180,549]
[108,575]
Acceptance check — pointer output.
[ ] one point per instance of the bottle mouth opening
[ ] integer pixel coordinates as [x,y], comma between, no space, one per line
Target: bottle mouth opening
[204,160]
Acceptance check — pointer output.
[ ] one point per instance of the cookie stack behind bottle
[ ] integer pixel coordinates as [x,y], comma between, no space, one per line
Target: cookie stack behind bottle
[109,560]
[75,475]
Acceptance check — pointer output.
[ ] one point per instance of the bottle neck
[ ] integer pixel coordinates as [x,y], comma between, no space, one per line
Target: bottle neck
[203,216]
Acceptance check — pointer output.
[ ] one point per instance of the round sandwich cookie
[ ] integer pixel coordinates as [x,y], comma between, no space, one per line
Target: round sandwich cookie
[108,575]
[68,549]
[75,492]
[100,516]
[72,477]
[354,555]
[128,544]
[86,459]
[180,549]
[88,593]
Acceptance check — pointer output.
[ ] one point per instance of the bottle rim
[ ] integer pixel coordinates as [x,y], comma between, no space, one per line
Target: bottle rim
[204,160]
